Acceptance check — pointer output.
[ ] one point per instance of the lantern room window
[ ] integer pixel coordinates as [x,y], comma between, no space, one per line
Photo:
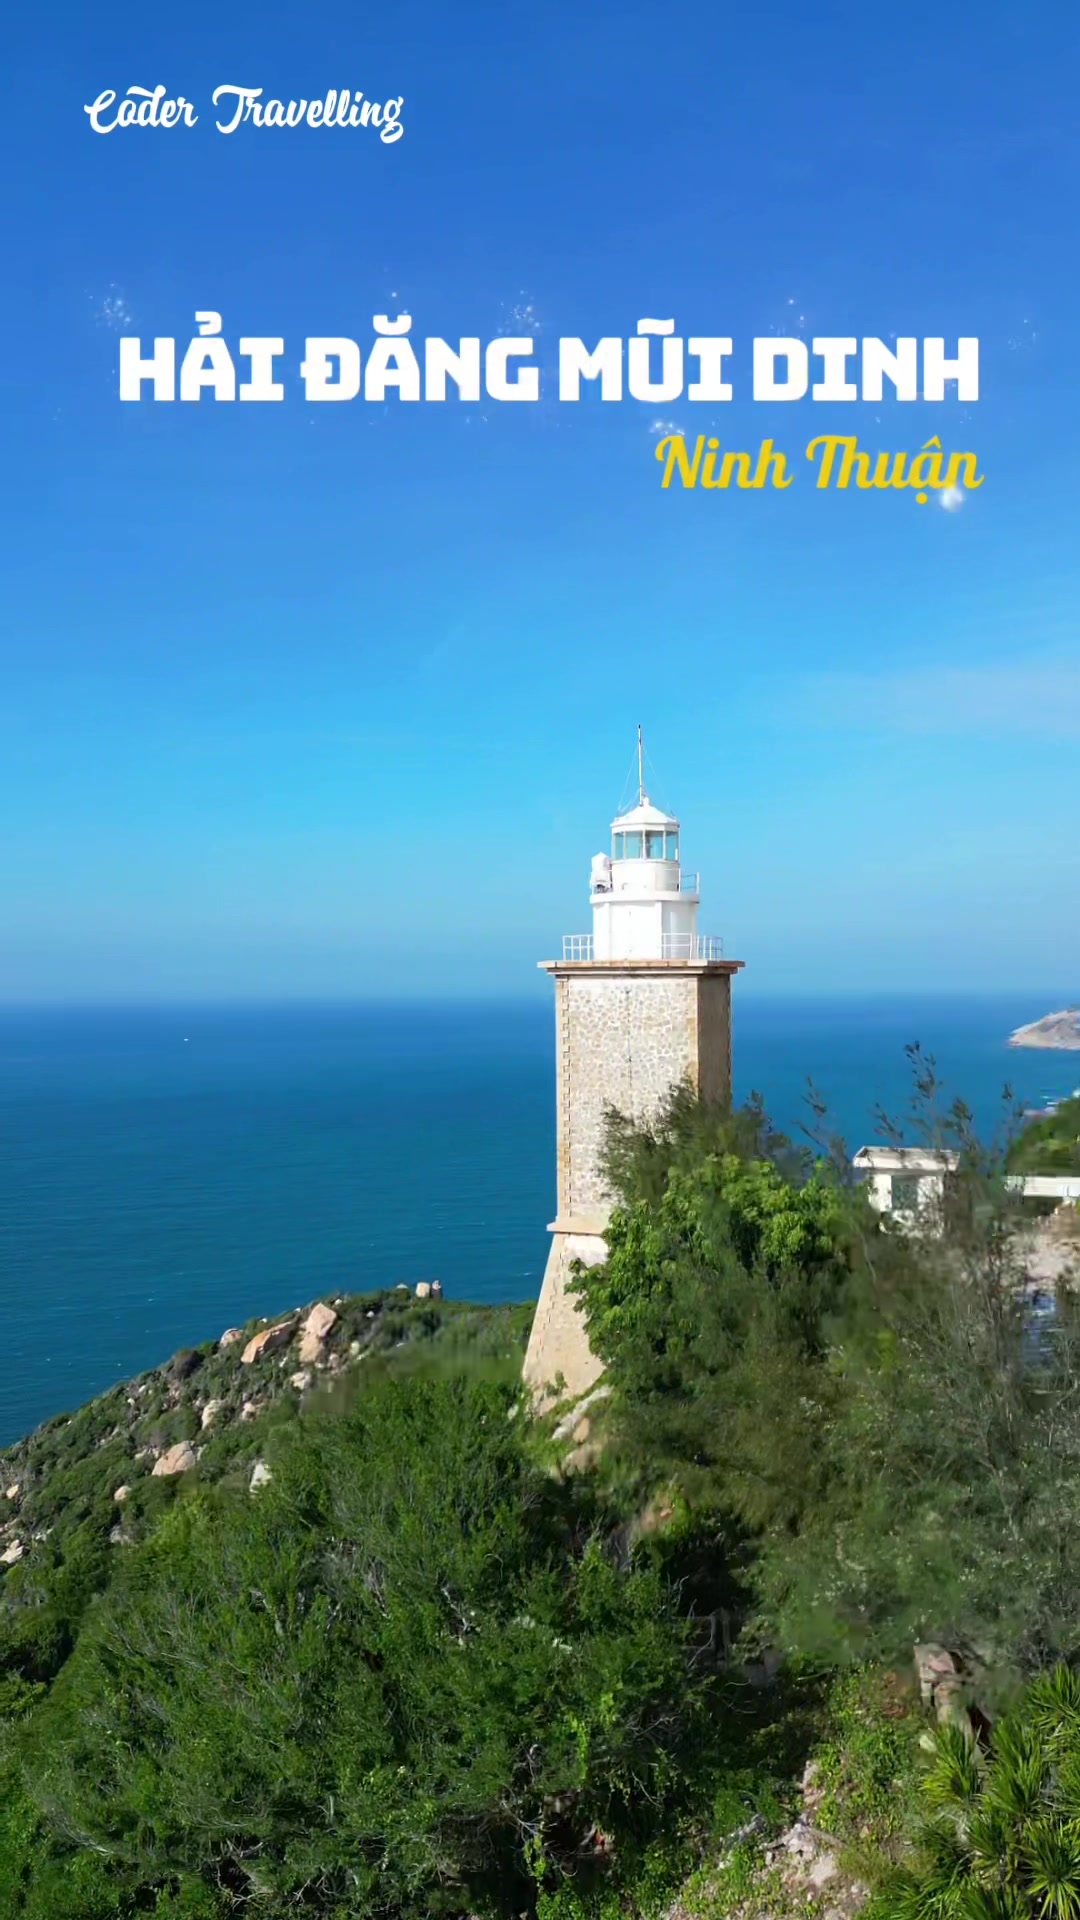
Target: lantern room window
[653,844]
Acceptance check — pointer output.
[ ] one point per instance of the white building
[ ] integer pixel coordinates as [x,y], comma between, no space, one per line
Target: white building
[905,1181]
[1047,1186]
[912,1181]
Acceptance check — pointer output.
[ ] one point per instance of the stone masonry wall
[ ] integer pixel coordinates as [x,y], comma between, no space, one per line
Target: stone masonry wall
[625,1043]
[714,1035]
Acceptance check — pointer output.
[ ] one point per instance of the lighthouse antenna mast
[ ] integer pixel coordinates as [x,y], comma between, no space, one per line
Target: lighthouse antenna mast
[640,769]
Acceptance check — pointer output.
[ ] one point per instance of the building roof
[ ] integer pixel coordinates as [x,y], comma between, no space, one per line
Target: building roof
[643,815]
[905,1160]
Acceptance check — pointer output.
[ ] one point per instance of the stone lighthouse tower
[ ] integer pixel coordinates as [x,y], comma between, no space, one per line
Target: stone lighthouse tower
[642,1003]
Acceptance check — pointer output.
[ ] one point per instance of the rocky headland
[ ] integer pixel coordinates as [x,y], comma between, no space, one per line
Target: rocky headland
[1057,1031]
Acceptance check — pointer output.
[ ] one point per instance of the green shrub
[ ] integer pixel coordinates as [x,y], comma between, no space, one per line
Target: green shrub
[1002,1840]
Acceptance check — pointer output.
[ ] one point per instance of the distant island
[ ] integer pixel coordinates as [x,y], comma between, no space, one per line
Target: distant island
[1060,1031]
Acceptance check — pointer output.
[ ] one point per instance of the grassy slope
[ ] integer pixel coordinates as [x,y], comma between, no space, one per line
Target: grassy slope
[1049,1146]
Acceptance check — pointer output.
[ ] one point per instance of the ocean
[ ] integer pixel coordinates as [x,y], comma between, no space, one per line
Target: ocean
[165,1174]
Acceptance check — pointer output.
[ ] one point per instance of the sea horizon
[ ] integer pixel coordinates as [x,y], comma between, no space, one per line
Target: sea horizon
[743,990]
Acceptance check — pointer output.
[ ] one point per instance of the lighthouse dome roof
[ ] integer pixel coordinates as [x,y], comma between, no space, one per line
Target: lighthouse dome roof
[643,815]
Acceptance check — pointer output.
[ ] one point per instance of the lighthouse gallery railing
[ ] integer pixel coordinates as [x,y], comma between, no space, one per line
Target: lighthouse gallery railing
[673,946]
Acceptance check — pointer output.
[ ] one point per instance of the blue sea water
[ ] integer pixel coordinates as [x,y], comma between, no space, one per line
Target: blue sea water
[165,1174]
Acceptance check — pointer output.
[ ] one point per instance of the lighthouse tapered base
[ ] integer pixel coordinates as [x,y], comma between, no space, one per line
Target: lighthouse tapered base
[559,1363]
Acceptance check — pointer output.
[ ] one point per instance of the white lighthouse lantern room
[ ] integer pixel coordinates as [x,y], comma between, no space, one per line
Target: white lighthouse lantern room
[644,906]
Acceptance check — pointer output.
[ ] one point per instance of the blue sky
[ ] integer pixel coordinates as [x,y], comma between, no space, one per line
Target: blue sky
[304,701]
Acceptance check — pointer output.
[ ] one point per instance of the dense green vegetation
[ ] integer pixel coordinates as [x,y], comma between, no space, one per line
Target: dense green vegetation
[361,1691]
[421,1667]
[863,1408]
[1051,1145]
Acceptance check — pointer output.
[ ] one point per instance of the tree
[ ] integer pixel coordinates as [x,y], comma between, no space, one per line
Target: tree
[871,1410]
[1051,1145]
[639,1159]
[949,1473]
[715,1260]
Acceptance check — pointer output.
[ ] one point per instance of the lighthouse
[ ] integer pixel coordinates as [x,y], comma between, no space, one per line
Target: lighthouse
[642,1005]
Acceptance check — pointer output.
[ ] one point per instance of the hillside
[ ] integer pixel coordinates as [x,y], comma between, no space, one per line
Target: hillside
[90,1492]
[210,1409]
[315,1622]
[1050,1145]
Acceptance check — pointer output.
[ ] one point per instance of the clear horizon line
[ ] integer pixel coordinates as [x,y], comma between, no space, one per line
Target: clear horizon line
[1065,998]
